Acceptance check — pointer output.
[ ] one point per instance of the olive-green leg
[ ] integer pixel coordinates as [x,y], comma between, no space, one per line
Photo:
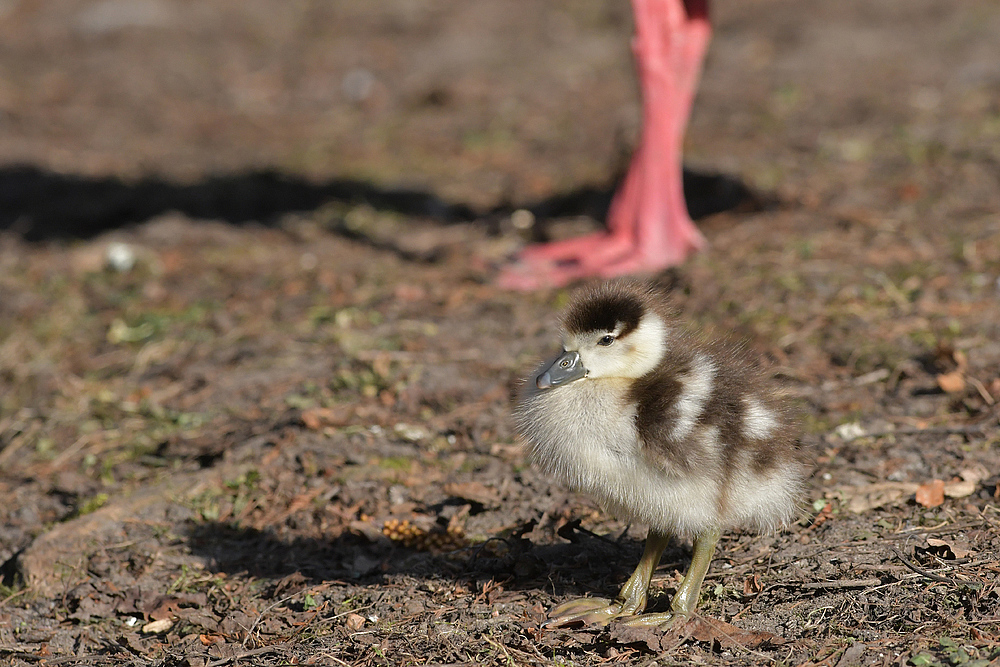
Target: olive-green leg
[686,599]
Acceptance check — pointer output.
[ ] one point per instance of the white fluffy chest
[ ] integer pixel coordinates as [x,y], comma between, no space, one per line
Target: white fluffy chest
[580,431]
[585,435]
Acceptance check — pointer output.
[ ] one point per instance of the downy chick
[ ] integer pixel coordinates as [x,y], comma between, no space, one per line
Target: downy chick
[662,429]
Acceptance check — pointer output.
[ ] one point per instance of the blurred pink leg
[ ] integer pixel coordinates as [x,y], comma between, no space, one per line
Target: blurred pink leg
[648,225]
[670,45]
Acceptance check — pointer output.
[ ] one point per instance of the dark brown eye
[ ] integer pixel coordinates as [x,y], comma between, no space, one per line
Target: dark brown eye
[606,340]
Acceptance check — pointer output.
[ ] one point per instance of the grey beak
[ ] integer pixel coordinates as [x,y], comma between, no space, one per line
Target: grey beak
[563,370]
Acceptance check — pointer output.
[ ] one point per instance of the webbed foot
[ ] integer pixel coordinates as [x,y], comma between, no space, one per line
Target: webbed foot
[631,599]
[589,611]
[661,620]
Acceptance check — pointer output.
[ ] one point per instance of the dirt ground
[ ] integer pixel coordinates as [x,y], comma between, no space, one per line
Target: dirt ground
[255,378]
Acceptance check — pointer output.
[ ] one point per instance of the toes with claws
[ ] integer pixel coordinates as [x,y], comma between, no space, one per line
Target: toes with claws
[589,611]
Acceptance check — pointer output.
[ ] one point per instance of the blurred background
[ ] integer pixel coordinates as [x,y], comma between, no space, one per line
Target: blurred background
[255,371]
[484,103]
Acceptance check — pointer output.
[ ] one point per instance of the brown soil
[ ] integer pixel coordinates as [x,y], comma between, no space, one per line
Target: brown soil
[283,437]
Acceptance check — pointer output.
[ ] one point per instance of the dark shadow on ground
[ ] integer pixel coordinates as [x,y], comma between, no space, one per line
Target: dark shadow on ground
[589,565]
[41,205]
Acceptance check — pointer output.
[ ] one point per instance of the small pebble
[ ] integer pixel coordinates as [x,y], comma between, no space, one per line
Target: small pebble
[411,432]
[522,219]
[358,85]
[120,257]
[850,431]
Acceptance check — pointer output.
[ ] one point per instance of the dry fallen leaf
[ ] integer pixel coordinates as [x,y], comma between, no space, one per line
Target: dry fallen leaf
[407,292]
[701,629]
[958,549]
[959,489]
[626,634]
[316,418]
[167,606]
[713,630]
[866,497]
[952,383]
[970,478]
[860,499]
[931,494]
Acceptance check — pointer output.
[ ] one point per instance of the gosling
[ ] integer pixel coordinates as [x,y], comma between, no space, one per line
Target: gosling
[663,429]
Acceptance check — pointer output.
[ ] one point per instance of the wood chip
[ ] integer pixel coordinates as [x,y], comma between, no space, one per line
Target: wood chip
[952,383]
[158,627]
[931,494]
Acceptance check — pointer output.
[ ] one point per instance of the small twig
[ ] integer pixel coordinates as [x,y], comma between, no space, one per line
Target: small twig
[79,659]
[245,654]
[352,611]
[943,529]
[402,355]
[335,659]
[12,596]
[893,583]
[80,443]
[20,655]
[260,616]
[503,648]
[18,441]
[981,388]
[478,549]
[925,573]
[574,526]
[962,429]
[843,583]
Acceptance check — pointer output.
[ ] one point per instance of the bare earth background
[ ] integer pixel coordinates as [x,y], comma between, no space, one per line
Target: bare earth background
[282,436]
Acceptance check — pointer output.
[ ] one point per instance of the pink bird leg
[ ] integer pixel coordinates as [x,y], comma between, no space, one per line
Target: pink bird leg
[649,228]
